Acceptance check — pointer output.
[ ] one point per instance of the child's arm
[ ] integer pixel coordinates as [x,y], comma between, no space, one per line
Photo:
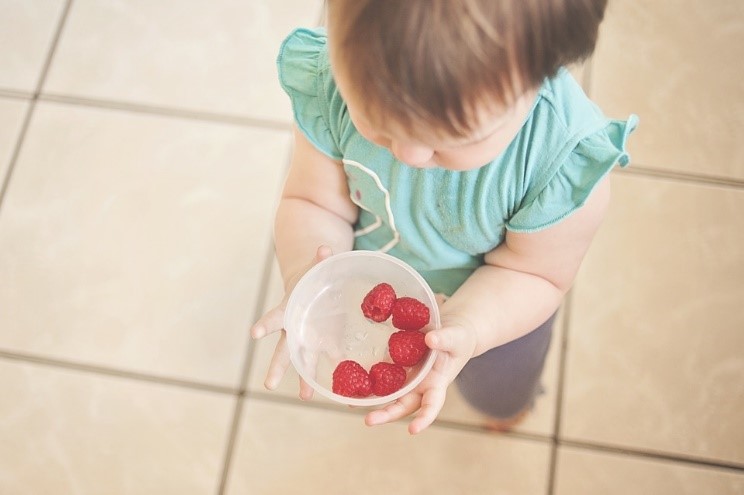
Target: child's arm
[314,210]
[519,287]
[524,279]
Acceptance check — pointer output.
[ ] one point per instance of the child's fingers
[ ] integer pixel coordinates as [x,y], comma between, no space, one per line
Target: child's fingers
[394,411]
[431,403]
[380,416]
[269,323]
[279,364]
[306,391]
[447,339]
[322,253]
[273,320]
[310,358]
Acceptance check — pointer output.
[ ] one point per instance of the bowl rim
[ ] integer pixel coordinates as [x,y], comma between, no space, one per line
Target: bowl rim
[434,323]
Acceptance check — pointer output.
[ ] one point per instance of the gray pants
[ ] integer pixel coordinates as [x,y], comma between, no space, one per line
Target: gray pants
[505,380]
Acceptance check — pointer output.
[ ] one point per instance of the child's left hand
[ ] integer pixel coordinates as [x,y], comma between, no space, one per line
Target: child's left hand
[455,344]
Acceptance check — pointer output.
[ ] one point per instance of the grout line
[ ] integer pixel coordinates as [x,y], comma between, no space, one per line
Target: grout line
[167,111]
[654,455]
[442,424]
[555,439]
[323,406]
[318,405]
[265,283]
[52,49]
[32,103]
[139,108]
[247,361]
[230,447]
[272,397]
[560,386]
[638,169]
[117,373]
[16,95]
[5,181]
[634,169]
[258,312]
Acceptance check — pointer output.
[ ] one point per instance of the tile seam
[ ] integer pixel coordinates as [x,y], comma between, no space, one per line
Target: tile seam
[92,369]
[652,454]
[560,385]
[269,397]
[244,376]
[173,112]
[5,180]
[250,351]
[53,48]
[258,123]
[5,184]
[16,95]
[690,178]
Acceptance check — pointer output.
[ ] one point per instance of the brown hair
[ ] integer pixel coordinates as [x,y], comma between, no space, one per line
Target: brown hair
[435,61]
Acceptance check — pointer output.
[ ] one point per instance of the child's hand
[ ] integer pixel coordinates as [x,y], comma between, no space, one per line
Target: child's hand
[455,344]
[273,321]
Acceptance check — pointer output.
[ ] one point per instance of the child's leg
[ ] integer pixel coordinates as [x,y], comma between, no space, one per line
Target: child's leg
[503,382]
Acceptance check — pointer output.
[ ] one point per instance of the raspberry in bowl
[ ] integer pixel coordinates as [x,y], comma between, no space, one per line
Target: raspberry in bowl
[355,324]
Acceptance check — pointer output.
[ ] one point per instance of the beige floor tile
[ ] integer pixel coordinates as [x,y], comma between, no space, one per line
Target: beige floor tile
[541,421]
[656,351]
[66,432]
[204,56]
[136,241]
[27,28]
[12,113]
[582,472]
[284,448]
[677,65]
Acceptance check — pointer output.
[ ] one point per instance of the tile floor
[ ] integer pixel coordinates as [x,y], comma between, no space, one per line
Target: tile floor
[141,148]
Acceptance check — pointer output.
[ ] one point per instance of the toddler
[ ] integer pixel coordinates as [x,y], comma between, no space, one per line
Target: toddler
[449,134]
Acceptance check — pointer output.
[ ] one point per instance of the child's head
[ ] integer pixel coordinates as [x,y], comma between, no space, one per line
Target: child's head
[451,70]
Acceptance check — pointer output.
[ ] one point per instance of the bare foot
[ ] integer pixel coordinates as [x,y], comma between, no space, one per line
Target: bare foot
[506,424]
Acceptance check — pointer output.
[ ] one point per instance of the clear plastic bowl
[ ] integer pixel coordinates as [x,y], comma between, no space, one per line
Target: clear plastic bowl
[325,324]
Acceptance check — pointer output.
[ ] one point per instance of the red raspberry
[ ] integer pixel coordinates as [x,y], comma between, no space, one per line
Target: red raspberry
[407,347]
[378,303]
[387,378]
[351,380]
[410,314]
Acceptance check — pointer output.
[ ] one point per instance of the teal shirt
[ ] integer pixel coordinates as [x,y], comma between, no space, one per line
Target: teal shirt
[439,221]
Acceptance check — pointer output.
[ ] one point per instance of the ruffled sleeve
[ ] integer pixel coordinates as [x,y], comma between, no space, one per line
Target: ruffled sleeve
[584,167]
[304,74]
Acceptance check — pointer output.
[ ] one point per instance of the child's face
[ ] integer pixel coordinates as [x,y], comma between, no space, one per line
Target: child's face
[495,129]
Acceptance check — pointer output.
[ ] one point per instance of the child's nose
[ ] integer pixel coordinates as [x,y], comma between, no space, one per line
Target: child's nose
[413,155]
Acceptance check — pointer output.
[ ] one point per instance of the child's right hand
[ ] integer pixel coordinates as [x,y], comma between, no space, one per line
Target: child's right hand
[273,321]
